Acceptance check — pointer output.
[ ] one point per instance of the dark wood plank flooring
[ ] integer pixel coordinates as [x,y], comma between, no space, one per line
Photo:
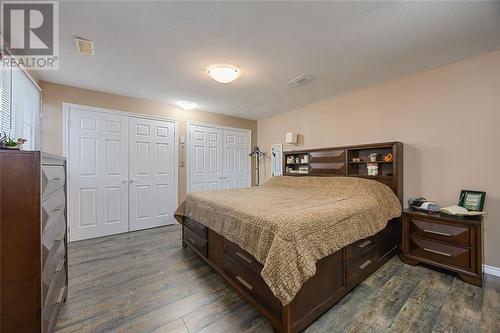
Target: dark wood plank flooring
[145,282]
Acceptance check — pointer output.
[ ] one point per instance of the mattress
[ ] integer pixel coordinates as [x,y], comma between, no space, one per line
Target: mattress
[290,223]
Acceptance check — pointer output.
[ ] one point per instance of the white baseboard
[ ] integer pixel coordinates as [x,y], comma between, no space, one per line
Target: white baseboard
[491,270]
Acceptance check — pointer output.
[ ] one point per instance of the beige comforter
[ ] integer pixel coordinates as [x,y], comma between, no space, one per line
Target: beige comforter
[289,223]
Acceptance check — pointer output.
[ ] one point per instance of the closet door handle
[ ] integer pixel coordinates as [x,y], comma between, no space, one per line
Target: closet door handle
[132,181]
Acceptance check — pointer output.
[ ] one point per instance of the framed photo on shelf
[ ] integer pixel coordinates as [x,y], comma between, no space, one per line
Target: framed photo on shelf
[472,200]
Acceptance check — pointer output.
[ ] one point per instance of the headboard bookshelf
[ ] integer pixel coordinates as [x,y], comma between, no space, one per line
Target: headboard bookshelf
[350,161]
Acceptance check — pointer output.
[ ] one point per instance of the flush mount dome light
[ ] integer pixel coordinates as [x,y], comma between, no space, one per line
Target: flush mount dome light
[187,105]
[223,73]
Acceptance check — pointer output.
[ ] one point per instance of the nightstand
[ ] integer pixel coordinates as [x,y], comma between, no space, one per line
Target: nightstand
[451,243]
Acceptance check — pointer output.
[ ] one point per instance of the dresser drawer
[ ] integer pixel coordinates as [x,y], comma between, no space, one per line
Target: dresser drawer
[52,290]
[195,241]
[433,230]
[55,262]
[254,285]
[363,263]
[53,207]
[57,246]
[352,251]
[53,178]
[243,257]
[53,231]
[440,253]
[197,227]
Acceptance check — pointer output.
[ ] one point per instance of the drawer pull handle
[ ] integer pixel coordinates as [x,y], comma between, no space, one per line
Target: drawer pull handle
[437,252]
[365,264]
[437,233]
[56,210]
[56,178]
[191,240]
[60,265]
[243,282]
[244,257]
[366,243]
[60,296]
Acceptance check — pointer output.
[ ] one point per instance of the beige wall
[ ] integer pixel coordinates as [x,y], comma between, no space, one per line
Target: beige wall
[54,95]
[448,120]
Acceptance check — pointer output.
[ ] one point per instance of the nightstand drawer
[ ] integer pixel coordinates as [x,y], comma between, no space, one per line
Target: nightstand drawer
[433,230]
[440,253]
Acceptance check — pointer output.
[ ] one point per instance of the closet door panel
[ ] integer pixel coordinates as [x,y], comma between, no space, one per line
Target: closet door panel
[205,169]
[98,169]
[153,190]
[235,173]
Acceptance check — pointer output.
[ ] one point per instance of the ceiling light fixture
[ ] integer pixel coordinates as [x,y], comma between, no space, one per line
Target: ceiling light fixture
[187,105]
[223,73]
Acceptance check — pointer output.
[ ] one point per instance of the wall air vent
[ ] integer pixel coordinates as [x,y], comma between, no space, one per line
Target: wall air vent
[84,46]
[300,80]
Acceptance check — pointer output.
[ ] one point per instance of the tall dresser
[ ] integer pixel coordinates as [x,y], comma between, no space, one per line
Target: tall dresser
[33,240]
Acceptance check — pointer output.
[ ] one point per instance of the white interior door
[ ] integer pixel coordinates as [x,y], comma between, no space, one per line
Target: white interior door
[153,186]
[235,159]
[218,158]
[205,157]
[98,174]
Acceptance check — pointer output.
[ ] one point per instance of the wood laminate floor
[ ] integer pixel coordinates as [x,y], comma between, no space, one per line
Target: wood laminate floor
[145,282]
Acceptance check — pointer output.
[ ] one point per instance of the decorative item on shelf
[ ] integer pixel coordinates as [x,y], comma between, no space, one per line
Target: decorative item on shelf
[472,200]
[388,157]
[297,160]
[372,169]
[306,158]
[356,159]
[6,142]
[373,157]
[21,142]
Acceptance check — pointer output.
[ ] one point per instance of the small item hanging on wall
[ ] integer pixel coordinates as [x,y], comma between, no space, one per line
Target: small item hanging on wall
[373,157]
[372,169]
[388,157]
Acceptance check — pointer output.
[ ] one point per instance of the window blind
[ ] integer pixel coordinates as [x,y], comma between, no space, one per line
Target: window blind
[5,100]
[25,108]
[19,106]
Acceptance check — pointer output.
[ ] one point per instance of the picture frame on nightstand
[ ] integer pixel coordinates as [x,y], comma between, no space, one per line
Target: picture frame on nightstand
[472,200]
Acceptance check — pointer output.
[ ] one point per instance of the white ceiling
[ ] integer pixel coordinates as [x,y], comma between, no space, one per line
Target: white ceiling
[160,50]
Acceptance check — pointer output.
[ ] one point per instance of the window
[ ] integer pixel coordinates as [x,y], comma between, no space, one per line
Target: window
[19,105]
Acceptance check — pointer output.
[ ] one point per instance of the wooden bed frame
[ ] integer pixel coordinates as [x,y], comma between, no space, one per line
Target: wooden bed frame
[337,274]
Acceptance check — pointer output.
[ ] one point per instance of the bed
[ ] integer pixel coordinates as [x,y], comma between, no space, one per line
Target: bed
[296,245]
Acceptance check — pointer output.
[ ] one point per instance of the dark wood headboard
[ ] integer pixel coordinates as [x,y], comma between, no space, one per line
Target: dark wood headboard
[338,161]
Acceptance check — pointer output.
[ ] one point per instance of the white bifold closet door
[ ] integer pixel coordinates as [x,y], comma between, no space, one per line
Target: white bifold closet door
[218,158]
[152,184]
[121,173]
[98,170]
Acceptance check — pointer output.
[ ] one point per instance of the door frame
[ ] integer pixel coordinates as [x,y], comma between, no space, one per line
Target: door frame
[188,144]
[66,113]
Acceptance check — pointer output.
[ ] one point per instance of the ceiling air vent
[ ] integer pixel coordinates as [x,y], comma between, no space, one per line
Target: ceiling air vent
[300,80]
[84,46]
